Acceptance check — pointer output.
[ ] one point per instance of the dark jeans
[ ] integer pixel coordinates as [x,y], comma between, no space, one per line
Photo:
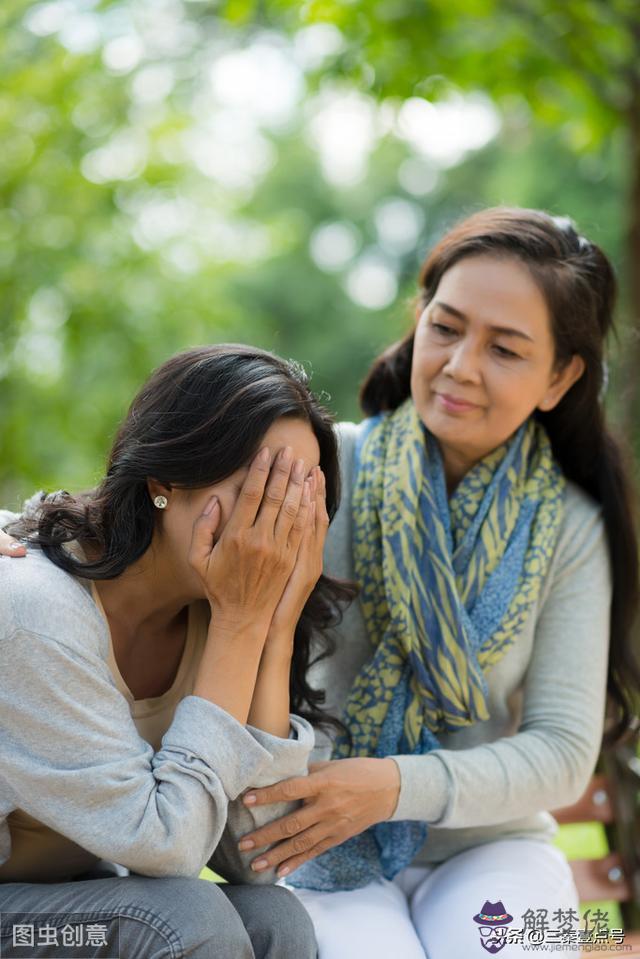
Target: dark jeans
[137,917]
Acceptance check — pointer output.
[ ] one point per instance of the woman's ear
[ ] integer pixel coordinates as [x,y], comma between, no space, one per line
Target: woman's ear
[561,382]
[157,489]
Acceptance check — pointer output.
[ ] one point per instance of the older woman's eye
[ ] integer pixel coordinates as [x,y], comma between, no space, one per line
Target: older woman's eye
[443,330]
[505,353]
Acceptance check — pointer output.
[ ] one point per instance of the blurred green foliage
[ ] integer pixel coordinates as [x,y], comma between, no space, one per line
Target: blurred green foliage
[121,242]
[574,62]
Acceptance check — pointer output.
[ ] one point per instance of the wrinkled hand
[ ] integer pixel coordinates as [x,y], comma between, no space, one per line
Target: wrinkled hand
[245,572]
[341,798]
[10,546]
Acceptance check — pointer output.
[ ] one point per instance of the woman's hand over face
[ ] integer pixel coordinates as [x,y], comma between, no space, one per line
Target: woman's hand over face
[341,798]
[308,565]
[245,572]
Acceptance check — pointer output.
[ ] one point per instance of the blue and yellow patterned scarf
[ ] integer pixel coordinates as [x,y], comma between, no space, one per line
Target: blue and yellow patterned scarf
[446,587]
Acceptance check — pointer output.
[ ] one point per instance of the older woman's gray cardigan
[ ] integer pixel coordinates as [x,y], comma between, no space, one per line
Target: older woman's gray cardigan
[497,778]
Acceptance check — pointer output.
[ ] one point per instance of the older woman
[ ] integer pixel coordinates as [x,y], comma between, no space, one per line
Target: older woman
[486,517]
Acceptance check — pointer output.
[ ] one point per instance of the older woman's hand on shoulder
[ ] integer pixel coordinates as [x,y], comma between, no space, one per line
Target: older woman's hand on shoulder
[10,546]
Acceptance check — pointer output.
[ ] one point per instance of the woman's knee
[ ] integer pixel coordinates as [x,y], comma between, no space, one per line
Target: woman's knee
[520,875]
[372,922]
[180,918]
[278,924]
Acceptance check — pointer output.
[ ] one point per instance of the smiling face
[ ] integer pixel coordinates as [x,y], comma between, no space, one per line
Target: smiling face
[484,359]
[175,523]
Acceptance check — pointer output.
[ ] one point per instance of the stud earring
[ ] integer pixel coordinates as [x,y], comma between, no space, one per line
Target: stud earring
[160,502]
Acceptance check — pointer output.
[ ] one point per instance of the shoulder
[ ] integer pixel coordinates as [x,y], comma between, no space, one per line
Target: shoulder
[581,558]
[36,596]
[583,523]
[337,554]
[347,434]
[350,437]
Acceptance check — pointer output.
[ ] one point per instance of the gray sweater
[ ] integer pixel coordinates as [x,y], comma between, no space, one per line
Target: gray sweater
[71,756]
[537,751]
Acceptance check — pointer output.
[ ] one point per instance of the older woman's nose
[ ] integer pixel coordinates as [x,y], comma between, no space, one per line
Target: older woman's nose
[463,363]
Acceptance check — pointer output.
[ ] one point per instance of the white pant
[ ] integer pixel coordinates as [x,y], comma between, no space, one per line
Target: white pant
[428,911]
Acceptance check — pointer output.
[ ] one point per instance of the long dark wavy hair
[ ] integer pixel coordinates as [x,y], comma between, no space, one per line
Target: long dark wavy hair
[201,416]
[579,287]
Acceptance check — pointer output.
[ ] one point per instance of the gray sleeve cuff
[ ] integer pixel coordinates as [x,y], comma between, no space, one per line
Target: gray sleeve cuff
[426,788]
[203,733]
[289,757]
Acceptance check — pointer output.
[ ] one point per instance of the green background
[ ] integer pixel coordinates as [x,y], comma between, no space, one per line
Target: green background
[156,194]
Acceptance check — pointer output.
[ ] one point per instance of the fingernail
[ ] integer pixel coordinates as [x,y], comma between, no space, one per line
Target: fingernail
[249,799]
[245,844]
[298,470]
[264,456]
[286,455]
[15,545]
[259,864]
[209,507]
[283,872]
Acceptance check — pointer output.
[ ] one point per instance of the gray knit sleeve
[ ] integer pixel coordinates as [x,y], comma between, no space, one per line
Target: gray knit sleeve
[6,517]
[70,754]
[290,758]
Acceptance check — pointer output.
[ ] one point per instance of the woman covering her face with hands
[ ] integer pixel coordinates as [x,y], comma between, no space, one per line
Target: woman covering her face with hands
[486,518]
[152,643]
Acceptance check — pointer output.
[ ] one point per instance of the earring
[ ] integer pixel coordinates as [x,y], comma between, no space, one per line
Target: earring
[160,502]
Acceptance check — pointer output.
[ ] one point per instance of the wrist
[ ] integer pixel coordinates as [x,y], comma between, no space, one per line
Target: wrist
[278,650]
[236,623]
[281,637]
[393,782]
